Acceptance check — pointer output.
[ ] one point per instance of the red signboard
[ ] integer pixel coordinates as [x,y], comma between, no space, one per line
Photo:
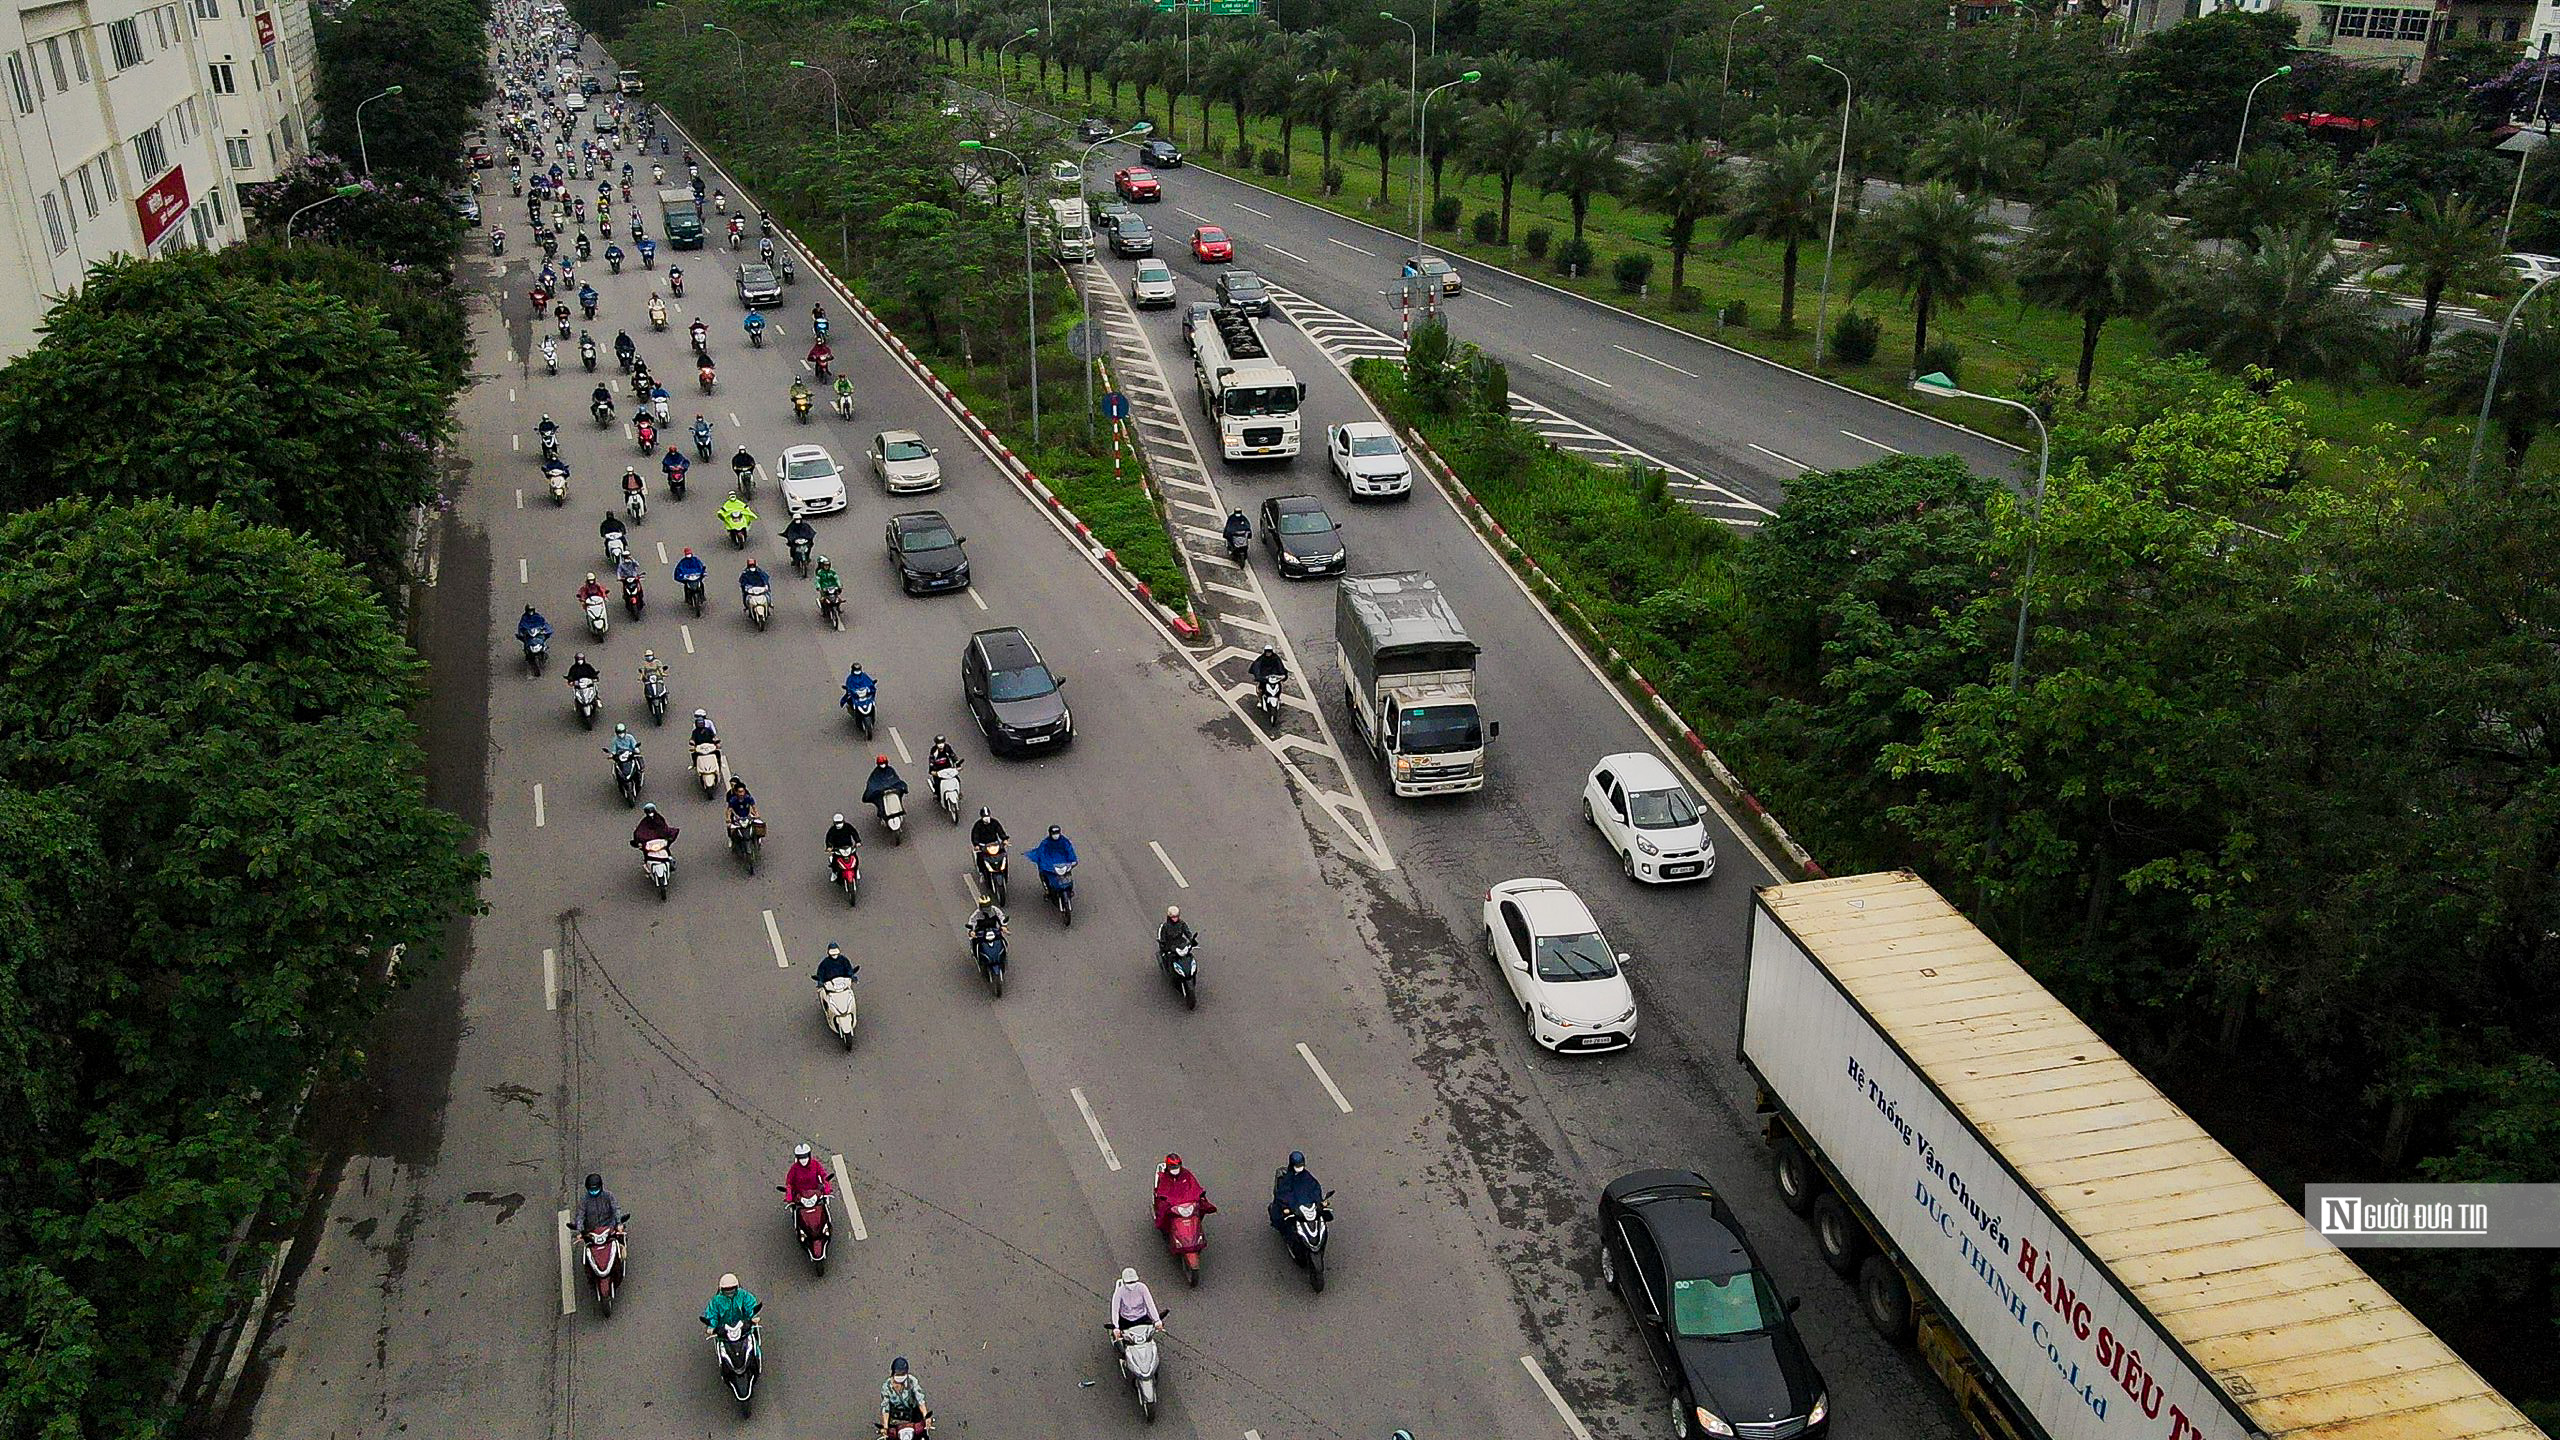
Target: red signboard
[266,29]
[160,206]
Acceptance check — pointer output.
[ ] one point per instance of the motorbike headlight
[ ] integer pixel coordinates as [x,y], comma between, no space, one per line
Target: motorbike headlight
[1647,846]
[1712,1423]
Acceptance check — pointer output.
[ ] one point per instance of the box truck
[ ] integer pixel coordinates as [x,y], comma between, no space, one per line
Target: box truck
[1408,675]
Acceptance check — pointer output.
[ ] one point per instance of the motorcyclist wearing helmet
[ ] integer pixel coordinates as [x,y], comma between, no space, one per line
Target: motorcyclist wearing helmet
[988,830]
[1175,931]
[530,626]
[859,687]
[902,1399]
[704,732]
[734,514]
[1293,1185]
[841,835]
[1054,853]
[835,965]
[799,535]
[941,756]
[883,783]
[1132,1303]
[826,577]
[624,742]
[731,1304]
[1239,529]
[592,590]
[808,1174]
[596,1208]
[580,668]
[1268,664]
[1176,1185]
[753,578]
[690,570]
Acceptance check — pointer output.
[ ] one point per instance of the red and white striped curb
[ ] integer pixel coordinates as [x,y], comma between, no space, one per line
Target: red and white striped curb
[1555,599]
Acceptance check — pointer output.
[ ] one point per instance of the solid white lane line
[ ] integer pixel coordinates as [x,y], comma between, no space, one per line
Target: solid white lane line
[537,807]
[1301,259]
[900,741]
[852,1207]
[568,1268]
[1569,370]
[662,552]
[1505,304]
[1322,1078]
[773,932]
[1169,869]
[1095,1125]
[1572,1422]
[523,575]
[1194,214]
[1863,440]
[1774,455]
[977,599]
[687,632]
[1665,364]
[1249,210]
[550,979]
[1347,245]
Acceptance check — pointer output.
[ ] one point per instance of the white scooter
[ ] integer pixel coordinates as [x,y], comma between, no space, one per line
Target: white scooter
[893,816]
[706,767]
[582,693]
[1139,1361]
[616,545]
[1269,701]
[559,487]
[658,861]
[760,605]
[597,620]
[635,503]
[946,792]
[837,996]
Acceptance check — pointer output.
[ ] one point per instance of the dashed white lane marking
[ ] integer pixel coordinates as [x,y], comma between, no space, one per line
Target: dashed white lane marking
[568,1268]
[1301,259]
[662,552]
[1774,455]
[1569,370]
[1505,304]
[773,932]
[1194,214]
[1649,360]
[1323,1079]
[537,807]
[852,1207]
[515,443]
[1347,245]
[734,420]
[511,390]
[1249,210]
[524,575]
[977,599]
[686,631]
[900,741]
[550,979]
[519,499]
[1095,1125]
[1169,867]
[1863,440]
[1572,1422]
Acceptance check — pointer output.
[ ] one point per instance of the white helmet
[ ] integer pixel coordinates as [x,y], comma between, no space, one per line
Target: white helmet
[1173,912]
[839,817]
[1129,1276]
[800,1151]
[728,1282]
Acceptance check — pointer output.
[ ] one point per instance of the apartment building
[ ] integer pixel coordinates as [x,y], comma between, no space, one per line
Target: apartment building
[130,127]
[2394,34]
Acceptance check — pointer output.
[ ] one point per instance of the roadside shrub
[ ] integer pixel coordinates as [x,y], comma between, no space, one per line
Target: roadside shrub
[1488,227]
[1536,241]
[1631,271]
[1687,301]
[1941,358]
[1444,212]
[1273,162]
[1735,312]
[1215,147]
[1573,257]
[1332,179]
[1853,340]
[1493,387]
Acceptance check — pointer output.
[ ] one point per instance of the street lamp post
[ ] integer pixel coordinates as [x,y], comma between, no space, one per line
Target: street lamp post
[2497,362]
[1030,288]
[835,97]
[1084,292]
[2279,73]
[364,158]
[910,10]
[341,192]
[1422,138]
[1002,88]
[2541,88]
[1839,177]
[1936,383]
[1724,92]
[1412,100]
[739,40]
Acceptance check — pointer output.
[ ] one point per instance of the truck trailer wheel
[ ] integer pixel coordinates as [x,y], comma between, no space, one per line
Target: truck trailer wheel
[1792,1171]
[1885,1298]
[1842,1240]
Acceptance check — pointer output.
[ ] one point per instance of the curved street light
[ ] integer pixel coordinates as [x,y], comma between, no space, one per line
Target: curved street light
[2280,72]
[364,160]
[342,192]
[1421,142]
[1084,292]
[1724,92]
[2497,362]
[1001,86]
[835,97]
[1839,177]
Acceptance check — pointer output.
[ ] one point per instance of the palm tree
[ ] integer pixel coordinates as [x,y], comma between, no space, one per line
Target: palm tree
[1615,103]
[1275,93]
[2106,158]
[2528,400]
[1131,62]
[2441,244]
[1377,118]
[1980,153]
[1322,94]
[1547,88]
[1784,200]
[2097,258]
[1231,71]
[1578,165]
[2275,304]
[2267,191]
[1933,244]
[1688,108]
[1685,184]
[1501,71]
[1447,124]
[1171,80]
[1499,141]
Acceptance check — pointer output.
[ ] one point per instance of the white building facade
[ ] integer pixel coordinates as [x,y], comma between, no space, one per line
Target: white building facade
[130,127]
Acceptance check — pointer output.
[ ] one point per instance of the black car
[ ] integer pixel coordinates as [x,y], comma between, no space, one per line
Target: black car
[1132,237]
[928,555]
[758,285]
[590,85]
[1090,130]
[1243,290]
[1710,1316]
[1019,705]
[1160,154]
[1302,538]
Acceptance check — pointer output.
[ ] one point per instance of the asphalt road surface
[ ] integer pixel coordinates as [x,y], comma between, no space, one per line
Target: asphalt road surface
[999,1151]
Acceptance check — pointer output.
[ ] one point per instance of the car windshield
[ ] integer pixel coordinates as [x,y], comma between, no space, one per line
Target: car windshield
[809,467]
[1305,522]
[929,537]
[1153,272]
[1437,729]
[904,450]
[1247,400]
[1661,809]
[1373,445]
[1719,1306]
[1575,957]
[1028,683]
[1213,237]
[1243,280]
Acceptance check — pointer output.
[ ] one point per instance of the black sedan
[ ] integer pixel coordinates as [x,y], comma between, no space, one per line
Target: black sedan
[929,556]
[1710,1316]
[1303,538]
[1161,154]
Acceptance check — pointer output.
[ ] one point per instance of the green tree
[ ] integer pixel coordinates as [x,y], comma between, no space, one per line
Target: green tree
[392,221]
[2277,305]
[2182,86]
[1784,200]
[1685,184]
[1377,116]
[1322,97]
[1548,88]
[426,316]
[432,50]
[1133,62]
[1978,152]
[1614,104]
[1931,244]
[1500,141]
[2440,244]
[1689,108]
[1578,165]
[2109,157]
[2268,190]
[2097,258]
[2528,400]
[1230,71]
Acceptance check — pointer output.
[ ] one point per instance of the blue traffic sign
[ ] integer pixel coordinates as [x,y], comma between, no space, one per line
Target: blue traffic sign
[1115,405]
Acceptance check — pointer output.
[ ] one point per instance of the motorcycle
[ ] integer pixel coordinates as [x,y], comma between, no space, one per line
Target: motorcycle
[658,404]
[946,792]
[1304,1228]
[603,1252]
[746,840]
[844,404]
[597,620]
[800,550]
[737,533]
[658,862]
[863,704]
[635,503]
[741,1350]
[811,1225]
[694,595]
[537,649]
[627,768]
[1060,884]
[837,998]
[1181,965]
[706,767]
[760,605]
[582,696]
[991,869]
[558,478]
[755,336]
[632,600]
[654,689]
[602,410]
[846,870]
[676,481]
[702,441]
[987,947]
[800,407]
[647,436]
[675,281]
[550,446]
[616,545]
[707,376]
[1236,546]
[1269,700]
[657,314]
[1185,1237]
[497,242]
[745,475]
[550,357]
[587,355]
[1135,1348]
[831,610]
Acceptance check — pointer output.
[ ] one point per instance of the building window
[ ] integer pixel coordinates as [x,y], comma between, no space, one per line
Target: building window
[150,157]
[291,141]
[124,40]
[88,193]
[223,81]
[2514,31]
[239,153]
[18,84]
[208,9]
[2414,24]
[79,44]
[53,224]
[107,173]
[215,196]
[53,56]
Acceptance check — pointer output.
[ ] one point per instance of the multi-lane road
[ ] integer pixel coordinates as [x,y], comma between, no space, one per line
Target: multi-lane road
[998,1153]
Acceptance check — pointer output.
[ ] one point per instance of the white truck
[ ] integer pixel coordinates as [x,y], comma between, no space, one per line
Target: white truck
[1408,676]
[1252,397]
[2074,1257]
[1070,230]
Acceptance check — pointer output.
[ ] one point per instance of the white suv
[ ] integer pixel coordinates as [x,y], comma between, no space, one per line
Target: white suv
[1369,458]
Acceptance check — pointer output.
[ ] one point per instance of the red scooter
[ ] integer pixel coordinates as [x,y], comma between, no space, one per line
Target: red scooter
[1184,1236]
[809,1221]
[603,1250]
[648,435]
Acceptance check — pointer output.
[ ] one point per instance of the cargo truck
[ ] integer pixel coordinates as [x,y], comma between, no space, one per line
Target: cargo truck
[2073,1256]
[1252,398]
[1070,230]
[1408,676]
[681,217]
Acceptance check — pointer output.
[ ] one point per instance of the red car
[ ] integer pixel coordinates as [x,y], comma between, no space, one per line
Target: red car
[1137,184]
[1210,245]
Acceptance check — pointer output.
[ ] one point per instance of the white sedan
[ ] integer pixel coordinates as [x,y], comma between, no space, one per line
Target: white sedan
[1657,827]
[812,482]
[1564,977]
[904,464]
[1153,285]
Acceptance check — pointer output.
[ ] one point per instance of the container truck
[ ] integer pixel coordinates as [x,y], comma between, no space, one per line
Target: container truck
[1408,676]
[2073,1256]
[680,215]
[1252,398]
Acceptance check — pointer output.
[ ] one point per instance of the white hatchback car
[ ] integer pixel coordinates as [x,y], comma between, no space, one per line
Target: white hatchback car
[812,482]
[1562,973]
[904,464]
[1657,827]
[1153,284]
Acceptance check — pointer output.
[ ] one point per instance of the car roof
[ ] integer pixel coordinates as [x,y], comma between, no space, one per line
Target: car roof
[1210,230]
[806,452]
[885,436]
[1295,504]
[1550,906]
[1366,429]
[1135,170]
[1641,770]
[1686,1228]
[918,519]
[1006,647]
[1234,278]
[1157,262]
